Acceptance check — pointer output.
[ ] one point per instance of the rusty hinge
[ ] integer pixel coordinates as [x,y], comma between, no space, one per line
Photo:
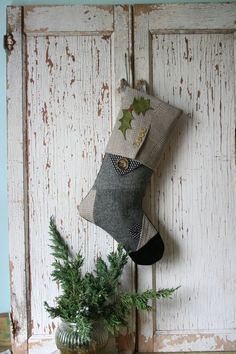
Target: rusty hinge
[9,42]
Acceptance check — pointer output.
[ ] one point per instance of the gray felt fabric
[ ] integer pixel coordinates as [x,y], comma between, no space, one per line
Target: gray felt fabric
[118,202]
[115,200]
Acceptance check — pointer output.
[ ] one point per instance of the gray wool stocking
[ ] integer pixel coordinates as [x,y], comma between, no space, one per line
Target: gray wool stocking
[115,201]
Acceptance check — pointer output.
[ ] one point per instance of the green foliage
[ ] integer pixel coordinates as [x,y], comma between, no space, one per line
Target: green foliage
[92,296]
[125,121]
[139,105]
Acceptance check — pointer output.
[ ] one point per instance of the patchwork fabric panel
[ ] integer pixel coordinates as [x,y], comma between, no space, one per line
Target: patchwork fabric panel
[123,165]
[135,231]
[142,127]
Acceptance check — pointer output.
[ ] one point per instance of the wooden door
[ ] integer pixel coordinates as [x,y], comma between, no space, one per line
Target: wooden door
[186,53]
[63,75]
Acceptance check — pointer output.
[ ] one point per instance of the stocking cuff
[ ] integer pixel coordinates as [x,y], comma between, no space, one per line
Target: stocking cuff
[142,128]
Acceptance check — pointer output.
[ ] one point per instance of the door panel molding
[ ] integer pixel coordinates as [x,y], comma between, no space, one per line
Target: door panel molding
[41,174]
[17,182]
[168,39]
[189,16]
[125,29]
[76,18]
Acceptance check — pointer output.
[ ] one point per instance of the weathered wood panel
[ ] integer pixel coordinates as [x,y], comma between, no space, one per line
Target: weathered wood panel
[72,77]
[71,102]
[68,123]
[76,18]
[188,17]
[192,195]
[17,206]
[201,180]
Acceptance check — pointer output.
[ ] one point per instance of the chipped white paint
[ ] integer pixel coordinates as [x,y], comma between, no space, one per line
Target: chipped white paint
[192,195]
[71,102]
[38,344]
[177,17]
[17,210]
[218,340]
[76,18]
[73,70]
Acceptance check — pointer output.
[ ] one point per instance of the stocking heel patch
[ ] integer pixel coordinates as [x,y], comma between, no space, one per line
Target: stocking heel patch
[86,207]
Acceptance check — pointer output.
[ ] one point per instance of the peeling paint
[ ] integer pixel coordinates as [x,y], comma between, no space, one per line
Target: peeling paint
[49,61]
[14,326]
[187,54]
[200,154]
[106,8]
[53,326]
[106,37]
[45,113]
[145,344]
[104,88]
[142,9]
[193,342]
[224,344]
[99,108]
[19,349]
[126,343]
[69,54]
[89,140]
[98,60]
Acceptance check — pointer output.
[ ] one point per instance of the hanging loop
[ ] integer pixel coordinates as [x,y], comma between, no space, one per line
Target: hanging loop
[123,85]
[141,86]
[124,82]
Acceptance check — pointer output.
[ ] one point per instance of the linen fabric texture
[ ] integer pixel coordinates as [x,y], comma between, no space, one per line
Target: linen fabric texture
[114,203]
[157,124]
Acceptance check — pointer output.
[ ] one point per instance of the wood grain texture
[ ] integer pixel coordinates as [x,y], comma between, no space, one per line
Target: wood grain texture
[192,195]
[68,105]
[188,16]
[198,187]
[71,103]
[17,205]
[76,18]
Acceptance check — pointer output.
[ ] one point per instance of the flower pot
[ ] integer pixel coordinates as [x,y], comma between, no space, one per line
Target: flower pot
[68,340]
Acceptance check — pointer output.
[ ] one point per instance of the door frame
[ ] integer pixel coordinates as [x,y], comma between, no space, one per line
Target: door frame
[177,19]
[17,146]
[111,20]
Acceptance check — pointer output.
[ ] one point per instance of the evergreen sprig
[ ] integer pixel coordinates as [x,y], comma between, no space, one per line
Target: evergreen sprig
[94,295]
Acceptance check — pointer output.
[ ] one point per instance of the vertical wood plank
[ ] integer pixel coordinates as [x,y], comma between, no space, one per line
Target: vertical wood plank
[122,67]
[201,185]
[193,190]
[145,278]
[72,102]
[17,206]
[68,123]
[201,180]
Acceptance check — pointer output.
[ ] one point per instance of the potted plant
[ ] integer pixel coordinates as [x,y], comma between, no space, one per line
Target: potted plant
[91,306]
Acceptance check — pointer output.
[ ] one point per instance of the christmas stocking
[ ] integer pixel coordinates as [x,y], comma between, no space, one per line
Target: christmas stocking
[115,201]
